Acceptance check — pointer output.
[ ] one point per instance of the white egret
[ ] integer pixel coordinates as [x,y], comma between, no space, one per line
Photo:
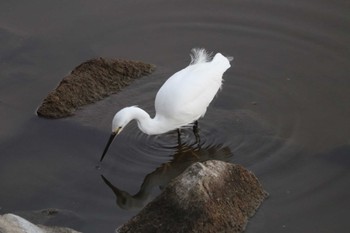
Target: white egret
[182,99]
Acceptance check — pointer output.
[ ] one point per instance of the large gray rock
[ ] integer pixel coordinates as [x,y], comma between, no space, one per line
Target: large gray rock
[10,223]
[212,196]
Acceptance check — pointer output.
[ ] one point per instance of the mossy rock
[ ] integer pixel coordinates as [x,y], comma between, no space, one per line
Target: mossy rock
[90,82]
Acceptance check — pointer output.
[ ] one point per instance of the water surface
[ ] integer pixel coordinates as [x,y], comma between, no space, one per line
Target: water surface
[283,111]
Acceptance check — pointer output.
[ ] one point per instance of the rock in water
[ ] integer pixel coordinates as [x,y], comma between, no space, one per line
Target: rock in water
[10,223]
[89,82]
[211,197]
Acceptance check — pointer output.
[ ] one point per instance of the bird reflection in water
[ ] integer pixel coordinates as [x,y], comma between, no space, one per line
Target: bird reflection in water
[184,157]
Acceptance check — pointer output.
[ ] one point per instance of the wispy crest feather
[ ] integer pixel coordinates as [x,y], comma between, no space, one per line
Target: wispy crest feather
[199,55]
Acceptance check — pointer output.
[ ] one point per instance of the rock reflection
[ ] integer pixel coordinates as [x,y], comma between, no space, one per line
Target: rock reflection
[184,157]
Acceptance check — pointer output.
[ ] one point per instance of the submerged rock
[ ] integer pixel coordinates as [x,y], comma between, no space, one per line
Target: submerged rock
[52,217]
[212,196]
[91,81]
[10,223]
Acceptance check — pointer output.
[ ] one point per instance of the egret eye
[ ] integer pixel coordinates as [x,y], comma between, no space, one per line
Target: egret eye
[118,130]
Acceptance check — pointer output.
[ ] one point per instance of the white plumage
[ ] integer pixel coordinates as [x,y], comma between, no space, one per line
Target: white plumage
[182,99]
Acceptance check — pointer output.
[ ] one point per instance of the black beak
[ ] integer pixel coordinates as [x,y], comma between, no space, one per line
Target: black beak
[110,140]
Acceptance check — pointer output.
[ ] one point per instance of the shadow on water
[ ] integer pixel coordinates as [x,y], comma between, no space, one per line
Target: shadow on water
[184,157]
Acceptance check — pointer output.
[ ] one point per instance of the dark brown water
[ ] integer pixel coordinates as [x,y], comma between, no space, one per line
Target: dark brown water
[283,111]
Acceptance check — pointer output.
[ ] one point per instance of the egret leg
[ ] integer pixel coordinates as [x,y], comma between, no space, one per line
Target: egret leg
[179,137]
[195,127]
[196,134]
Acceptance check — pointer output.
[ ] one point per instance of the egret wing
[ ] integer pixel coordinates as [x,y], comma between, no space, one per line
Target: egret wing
[185,96]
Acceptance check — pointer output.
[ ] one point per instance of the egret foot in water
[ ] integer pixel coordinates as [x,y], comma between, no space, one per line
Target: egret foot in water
[195,132]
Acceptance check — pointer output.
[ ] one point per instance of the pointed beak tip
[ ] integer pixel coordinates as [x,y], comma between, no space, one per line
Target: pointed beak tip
[110,140]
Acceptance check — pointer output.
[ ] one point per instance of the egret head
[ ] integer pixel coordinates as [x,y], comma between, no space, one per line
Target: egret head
[120,120]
